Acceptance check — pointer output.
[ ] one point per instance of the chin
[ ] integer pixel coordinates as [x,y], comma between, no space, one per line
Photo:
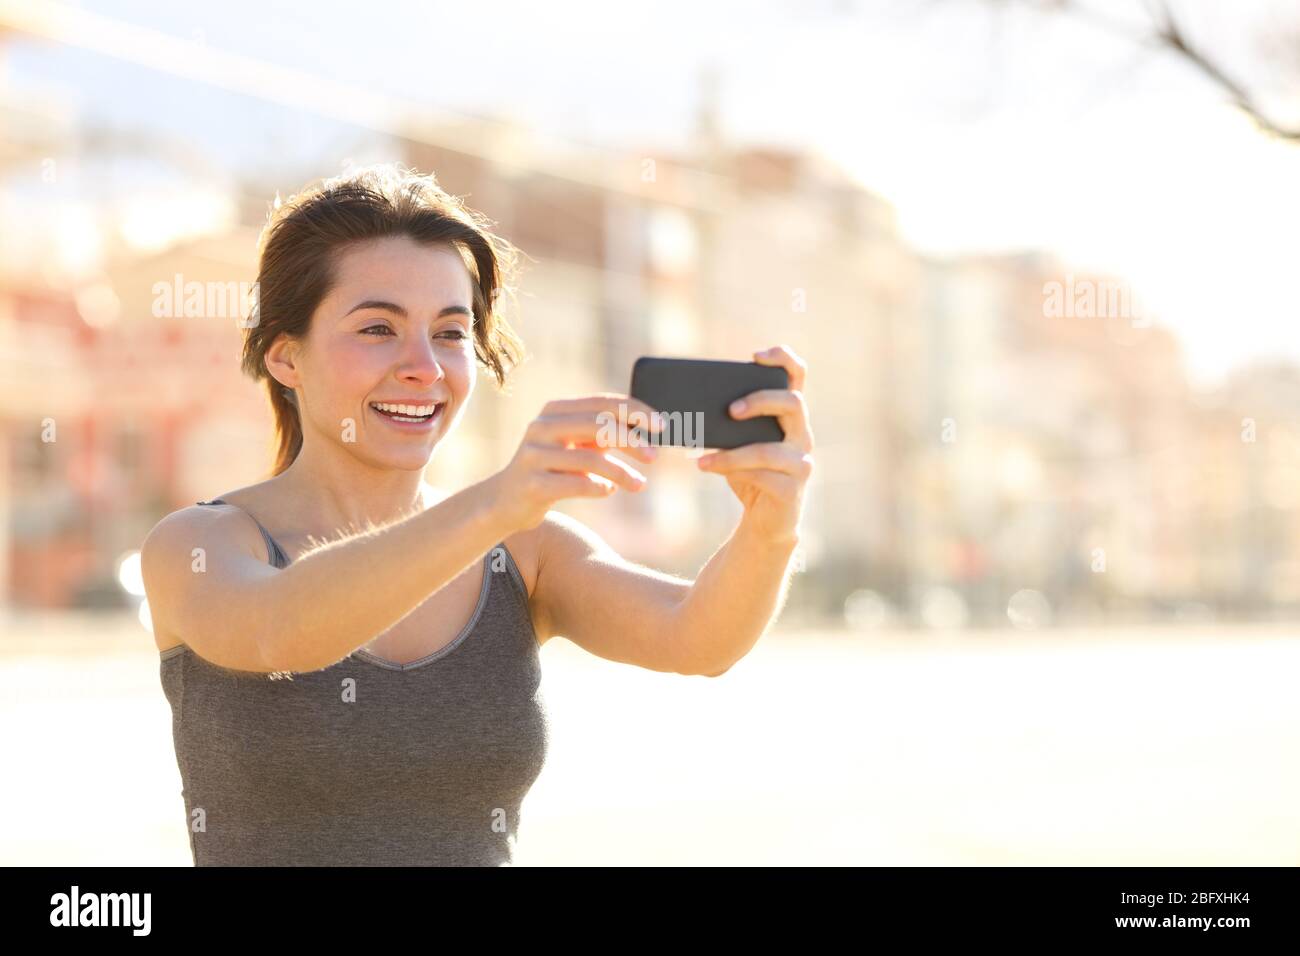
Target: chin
[393,458]
[408,458]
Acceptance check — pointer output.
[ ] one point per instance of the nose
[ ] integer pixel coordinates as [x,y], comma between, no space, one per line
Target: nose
[420,363]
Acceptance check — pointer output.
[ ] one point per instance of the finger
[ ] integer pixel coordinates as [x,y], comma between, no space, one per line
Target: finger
[590,461]
[782,487]
[789,407]
[784,356]
[768,455]
[645,453]
[603,428]
[624,409]
[556,484]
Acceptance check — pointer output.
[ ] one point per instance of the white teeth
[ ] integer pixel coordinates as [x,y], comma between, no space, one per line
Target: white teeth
[417,410]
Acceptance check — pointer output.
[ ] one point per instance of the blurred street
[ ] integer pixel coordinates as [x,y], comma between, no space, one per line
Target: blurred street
[1123,747]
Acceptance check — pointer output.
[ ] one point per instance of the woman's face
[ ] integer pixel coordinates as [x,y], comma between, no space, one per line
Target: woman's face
[397,329]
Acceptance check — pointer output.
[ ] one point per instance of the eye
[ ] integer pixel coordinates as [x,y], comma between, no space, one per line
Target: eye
[457,335]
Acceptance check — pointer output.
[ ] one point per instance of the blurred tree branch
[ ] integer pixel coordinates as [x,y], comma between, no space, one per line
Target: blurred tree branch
[1167,34]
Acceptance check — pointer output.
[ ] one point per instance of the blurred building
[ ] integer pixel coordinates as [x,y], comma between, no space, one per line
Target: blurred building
[972,442]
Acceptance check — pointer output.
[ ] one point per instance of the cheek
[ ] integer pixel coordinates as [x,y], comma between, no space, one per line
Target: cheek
[459,366]
[350,370]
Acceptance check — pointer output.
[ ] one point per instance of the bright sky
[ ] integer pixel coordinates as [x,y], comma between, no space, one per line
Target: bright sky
[987,131]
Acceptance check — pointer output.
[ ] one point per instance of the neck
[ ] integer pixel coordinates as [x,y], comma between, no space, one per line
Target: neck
[350,496]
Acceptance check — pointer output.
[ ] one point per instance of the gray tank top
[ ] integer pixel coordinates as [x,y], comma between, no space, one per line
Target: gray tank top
[366,762]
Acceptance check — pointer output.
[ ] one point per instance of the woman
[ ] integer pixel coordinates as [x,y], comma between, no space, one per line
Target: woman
[351,658]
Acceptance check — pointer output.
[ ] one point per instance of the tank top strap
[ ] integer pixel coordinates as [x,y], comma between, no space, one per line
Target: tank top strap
[501,562]
[278,558]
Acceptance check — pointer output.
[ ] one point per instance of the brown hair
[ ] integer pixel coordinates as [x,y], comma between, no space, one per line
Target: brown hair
[304,237]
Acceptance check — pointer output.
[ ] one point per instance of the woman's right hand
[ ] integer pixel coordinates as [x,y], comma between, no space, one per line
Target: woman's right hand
[566,453]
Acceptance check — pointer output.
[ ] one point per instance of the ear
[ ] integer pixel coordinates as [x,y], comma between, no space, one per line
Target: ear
[280,360]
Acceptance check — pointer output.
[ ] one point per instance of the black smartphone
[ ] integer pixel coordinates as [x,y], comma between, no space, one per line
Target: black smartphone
[695,396]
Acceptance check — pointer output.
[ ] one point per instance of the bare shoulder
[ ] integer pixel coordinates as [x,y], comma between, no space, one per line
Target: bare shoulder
[565,534]
[190,527]
[222,524]
[170,548]
[559,536]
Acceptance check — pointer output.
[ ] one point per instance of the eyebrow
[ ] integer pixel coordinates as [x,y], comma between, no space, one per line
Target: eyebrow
[397,309]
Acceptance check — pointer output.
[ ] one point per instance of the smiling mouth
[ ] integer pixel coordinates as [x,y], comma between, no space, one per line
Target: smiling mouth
[408,418]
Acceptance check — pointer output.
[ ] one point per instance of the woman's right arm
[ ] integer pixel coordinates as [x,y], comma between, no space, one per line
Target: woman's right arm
[235,610]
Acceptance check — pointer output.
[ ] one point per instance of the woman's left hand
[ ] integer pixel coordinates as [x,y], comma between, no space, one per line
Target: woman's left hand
[769,478]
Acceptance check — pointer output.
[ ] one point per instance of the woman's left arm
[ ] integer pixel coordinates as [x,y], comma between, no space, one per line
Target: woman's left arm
[740,591]
[632,614]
